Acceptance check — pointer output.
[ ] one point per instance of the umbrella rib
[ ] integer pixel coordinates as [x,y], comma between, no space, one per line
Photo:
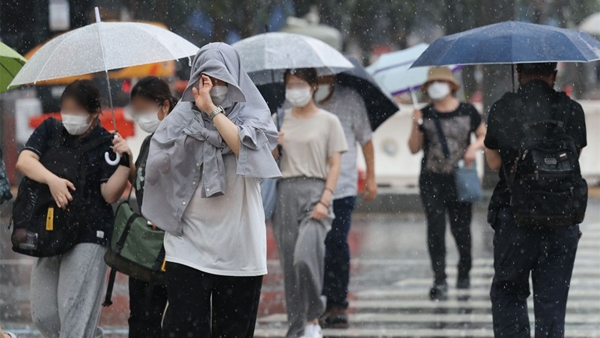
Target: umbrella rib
[7,70]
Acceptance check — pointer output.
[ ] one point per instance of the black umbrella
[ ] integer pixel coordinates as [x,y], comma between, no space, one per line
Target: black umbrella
[379,105]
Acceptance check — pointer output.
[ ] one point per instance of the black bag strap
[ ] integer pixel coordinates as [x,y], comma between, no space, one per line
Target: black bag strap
[121,242]
[113,271]
[109,288]
[160,259]
[440,132]
[280,115]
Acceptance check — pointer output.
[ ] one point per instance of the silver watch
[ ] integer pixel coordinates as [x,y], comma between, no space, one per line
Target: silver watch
[215,112]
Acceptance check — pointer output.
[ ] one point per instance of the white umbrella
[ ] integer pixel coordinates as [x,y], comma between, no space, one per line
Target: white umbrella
[265,57]
[591,24]
[103,46]
[393,73]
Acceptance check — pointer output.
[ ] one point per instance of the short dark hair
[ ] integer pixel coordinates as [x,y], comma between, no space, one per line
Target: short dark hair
[154,89]
[307,74]
[544,69]
[85,93]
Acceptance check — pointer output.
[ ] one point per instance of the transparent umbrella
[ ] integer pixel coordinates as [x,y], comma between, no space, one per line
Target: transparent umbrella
[103,46]
[392,70]
[265,57]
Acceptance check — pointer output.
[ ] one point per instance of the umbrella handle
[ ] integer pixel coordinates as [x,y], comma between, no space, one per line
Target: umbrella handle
[111,161]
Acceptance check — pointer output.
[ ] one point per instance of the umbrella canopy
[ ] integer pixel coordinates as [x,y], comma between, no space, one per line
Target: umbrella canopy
[509,43]
[393,73]
[265,57]
[591,24]
[380,106]
[10,64]
[103,46]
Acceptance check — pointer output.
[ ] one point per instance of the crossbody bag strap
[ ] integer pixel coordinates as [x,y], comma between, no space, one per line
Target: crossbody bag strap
[440,133]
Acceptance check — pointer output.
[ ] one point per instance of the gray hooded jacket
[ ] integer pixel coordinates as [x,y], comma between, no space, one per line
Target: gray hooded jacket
[187,151]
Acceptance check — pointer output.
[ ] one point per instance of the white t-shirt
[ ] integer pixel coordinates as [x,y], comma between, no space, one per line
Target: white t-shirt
[223,235]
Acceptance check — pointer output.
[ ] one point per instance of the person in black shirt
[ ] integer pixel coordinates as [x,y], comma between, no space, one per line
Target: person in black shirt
[151,101]
[66,289]
[547,253]
[457,121]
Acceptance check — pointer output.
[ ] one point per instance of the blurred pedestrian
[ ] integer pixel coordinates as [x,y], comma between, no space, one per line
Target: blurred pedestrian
[443,131]
[202,187]
[151,102]
[312,141]
[350,108]
[534,212]
[66,289]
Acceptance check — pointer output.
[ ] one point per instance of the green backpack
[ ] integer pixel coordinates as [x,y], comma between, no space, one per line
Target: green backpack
[136,249]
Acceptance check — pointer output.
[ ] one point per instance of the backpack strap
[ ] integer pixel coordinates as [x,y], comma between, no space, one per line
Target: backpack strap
[57,133]
[518,107]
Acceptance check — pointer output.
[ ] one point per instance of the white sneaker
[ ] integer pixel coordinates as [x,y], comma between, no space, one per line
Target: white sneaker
[312,331]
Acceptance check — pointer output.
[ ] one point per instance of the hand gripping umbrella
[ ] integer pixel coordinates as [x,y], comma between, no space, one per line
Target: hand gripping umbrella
[100,47]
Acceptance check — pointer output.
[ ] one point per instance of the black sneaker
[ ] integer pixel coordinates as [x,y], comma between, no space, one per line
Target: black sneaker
[439,292]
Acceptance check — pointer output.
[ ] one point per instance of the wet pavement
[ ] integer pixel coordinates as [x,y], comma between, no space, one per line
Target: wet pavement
[389,285]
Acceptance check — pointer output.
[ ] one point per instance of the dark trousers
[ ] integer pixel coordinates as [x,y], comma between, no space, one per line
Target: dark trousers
[438,195]
[146,306]
[337,254]
[547,254]
[202,305]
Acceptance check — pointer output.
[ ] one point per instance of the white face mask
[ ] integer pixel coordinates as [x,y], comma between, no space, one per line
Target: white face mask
[438,90]
[218,94]
[75,124]
[298,97]
[323,91]
[148,121]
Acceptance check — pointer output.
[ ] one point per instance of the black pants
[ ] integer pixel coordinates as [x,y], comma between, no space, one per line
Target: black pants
[337,254]
[146,306]
[547,255]
[203,305]
[438,194]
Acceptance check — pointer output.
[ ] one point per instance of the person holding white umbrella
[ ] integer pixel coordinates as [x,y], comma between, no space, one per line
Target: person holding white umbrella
[66,288]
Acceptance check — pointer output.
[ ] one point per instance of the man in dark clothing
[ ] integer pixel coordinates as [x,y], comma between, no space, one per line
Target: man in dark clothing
[547,253]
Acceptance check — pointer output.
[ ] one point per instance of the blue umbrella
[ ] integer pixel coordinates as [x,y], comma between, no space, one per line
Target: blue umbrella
[511,42]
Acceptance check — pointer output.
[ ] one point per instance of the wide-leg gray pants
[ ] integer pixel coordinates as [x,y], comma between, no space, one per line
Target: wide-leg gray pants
[66,292]
[301,245]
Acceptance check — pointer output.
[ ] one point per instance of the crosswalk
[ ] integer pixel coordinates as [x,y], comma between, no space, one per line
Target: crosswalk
[402,308]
